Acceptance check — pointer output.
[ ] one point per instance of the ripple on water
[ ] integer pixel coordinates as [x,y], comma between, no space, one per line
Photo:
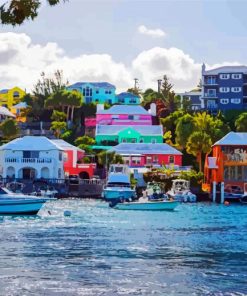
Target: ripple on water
[199,249]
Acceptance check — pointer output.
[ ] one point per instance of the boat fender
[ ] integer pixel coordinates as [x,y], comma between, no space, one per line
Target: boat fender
[226,203]
[113,203]
[67,213]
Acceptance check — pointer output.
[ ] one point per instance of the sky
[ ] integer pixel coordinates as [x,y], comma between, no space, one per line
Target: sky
[119,40]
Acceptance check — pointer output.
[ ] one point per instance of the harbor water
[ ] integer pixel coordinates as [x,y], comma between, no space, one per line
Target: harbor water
[199,249]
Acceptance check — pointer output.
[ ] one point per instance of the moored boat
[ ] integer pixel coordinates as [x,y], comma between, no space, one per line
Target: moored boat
[118,185]
[164,205]
[19,204]
[180,191]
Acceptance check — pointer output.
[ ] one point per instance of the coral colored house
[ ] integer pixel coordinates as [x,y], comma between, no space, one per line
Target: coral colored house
[123,115]
[228,162]
[73,161]
[146,155]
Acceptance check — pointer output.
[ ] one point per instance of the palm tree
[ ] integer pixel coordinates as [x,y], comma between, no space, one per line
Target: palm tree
[199,143]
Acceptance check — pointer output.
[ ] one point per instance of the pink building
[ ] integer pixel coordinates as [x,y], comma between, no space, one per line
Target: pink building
[90,125]
[124,115]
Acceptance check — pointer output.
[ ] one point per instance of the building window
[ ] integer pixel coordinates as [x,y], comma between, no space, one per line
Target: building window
[171,159]
[106,92]
[30,154]
[224,76]
[59,173]
[224,101]
[109,92]
[65,156]
[149,160]
[235,101]
[236,76]
[131,117]
[236,89]
[211,93]
[115,117]
[97,91]
[155,159]
[153,141]
[121,100]
[224,89]
[16,94]
[141,140]
[60,156]
[124,140]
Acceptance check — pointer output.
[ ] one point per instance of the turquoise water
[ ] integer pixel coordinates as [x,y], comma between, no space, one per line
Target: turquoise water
[199,249]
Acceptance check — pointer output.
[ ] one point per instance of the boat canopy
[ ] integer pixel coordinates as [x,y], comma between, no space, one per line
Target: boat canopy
[120,178]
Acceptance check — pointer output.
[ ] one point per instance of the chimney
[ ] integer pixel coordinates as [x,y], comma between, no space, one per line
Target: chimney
[152,109]
[100,107]
[203,68]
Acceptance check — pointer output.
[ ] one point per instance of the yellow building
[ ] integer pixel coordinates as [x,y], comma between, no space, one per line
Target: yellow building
[10,97]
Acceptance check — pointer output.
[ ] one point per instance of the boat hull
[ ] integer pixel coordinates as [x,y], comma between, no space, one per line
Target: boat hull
[148,206]
[118,193]
[20,207]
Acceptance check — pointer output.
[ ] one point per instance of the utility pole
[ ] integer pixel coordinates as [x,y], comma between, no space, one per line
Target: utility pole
[159,84]
[136,82]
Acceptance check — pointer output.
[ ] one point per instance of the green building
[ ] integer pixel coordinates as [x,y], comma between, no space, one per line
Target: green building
[111,135]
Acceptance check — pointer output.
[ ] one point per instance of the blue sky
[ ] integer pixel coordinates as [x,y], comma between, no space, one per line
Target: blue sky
[214,32]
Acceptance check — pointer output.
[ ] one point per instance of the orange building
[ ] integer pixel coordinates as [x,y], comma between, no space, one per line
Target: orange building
[228,163]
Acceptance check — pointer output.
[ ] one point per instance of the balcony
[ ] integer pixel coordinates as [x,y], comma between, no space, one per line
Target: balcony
[28,160]
[210,82]
[210,95]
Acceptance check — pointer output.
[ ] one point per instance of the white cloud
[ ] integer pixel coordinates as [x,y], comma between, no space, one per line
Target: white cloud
[157,33]
[22,61]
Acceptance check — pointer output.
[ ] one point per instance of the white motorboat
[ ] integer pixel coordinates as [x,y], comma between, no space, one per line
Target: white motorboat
[118,185]
[146,205]
[19,204]
[180,191]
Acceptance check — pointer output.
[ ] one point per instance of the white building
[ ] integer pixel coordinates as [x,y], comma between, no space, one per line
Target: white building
[31,157]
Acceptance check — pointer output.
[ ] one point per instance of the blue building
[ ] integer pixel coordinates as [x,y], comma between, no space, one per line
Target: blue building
[96,92]
[195,98]
[128,98]
[224,88]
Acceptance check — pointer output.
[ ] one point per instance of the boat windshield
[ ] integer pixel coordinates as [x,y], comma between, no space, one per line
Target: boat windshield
[118,184]
[5,191]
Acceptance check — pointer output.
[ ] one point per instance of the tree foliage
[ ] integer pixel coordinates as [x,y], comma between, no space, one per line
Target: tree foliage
[9,129]
[241,122]
[107,158]
[15,12]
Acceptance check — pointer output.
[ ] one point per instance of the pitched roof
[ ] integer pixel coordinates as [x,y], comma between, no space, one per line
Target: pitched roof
[65,145]
[20,105]
[127,95]
[233,138]
[4,111]
[95,84]
[4,91]
[141,148]
[115,129]
[227,69]
[31,143]
[124,109]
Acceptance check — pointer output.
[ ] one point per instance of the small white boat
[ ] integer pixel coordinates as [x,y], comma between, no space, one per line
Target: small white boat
[180,191]
[19,204]
[164,205]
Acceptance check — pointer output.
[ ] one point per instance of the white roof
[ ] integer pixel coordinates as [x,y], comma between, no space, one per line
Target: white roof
[4,111]
[65,145]
[31,143]
[233,138]
[124,109]
[227,69]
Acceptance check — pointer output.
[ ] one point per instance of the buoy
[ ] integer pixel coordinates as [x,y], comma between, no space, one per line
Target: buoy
[226,203]
[67,213]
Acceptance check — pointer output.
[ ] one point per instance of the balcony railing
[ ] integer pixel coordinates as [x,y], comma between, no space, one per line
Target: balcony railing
[28,160]
[210,95]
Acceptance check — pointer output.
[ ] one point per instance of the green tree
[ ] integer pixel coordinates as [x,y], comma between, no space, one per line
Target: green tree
[9,129]
[184,128]
[58,127]
[241,122]
[107,158]
[150,96]
[166,87]
[85,143]
[199,143]
[134,91]
[58,116]
[186,104]
[17,11]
